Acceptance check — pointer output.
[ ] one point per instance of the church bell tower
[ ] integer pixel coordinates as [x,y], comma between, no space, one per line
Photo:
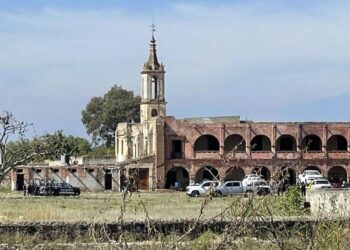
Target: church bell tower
[153,103]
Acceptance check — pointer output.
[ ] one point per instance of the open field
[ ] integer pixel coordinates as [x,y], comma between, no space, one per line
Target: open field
[24,215]
[99,207]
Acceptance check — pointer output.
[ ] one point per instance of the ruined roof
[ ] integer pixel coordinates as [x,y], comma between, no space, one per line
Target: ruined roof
[211,120]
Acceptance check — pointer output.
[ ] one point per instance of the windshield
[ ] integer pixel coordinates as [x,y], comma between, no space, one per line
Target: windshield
[322,182]
[315,172]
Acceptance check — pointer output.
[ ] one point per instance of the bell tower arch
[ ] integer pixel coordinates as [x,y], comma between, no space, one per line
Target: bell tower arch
[153,103]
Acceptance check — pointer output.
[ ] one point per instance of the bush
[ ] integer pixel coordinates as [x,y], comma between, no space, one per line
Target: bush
[292,200]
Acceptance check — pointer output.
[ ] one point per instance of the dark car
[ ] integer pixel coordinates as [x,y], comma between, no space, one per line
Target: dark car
[65,189]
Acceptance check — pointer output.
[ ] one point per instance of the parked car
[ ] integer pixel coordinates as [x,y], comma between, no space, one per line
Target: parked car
[260,187]
[251,177]
[319,184]
[309,175]
[205,188]
[345,185]
[229,188]
[65,189]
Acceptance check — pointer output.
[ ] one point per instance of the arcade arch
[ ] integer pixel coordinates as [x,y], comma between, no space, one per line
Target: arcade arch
[206,173]
[263,172]
[286,143]
[337,143]
[311,143]
[260,143]
[234,142]
[313,168]
[177,177]
[337,174]
[234,174]
[206,143]
[288,175]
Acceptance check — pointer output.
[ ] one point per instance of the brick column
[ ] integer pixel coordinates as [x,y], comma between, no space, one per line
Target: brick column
[192,174]
[248,138]
[273,138]
[299,137]
[324,140]
[222,139]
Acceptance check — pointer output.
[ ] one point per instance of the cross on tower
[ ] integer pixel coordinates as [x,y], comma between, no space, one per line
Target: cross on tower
[153,28]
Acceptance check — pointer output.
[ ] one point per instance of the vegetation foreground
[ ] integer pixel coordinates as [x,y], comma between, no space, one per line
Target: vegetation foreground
[146,206]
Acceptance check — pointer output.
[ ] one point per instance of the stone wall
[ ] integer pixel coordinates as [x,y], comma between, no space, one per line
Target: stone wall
[329,202]
[141,230]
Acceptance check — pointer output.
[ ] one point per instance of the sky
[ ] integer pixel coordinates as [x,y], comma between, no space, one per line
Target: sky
[264,60]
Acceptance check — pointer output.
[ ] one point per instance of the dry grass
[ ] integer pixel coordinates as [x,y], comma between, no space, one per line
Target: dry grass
[97,207]
[104,207]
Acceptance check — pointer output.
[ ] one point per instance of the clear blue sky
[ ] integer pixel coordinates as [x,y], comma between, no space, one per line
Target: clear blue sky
[262,60]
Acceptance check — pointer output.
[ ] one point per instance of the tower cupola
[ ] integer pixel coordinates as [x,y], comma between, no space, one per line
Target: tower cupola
[153,103]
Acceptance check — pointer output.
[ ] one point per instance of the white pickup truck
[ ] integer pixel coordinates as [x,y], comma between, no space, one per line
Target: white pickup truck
[204,188]
[308,175]
[258,186]
[229,188]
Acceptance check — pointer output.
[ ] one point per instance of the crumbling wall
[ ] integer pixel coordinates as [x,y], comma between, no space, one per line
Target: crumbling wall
[329,202]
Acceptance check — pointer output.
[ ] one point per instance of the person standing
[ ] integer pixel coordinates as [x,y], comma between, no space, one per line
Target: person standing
[25,189]
[303,189]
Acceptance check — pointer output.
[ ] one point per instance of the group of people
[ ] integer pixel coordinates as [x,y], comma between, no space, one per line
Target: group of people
[283,185]
[29,190]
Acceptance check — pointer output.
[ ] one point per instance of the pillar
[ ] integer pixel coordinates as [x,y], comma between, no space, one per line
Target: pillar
[273,139]
[222,139]
[248,138]
[324,140]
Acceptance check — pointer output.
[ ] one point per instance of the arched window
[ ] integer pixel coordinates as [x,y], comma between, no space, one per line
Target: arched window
[286,143]
[154,113]
[234,143]
[206,143]
[337,143]
[311,143]
[260,143]
[154,88]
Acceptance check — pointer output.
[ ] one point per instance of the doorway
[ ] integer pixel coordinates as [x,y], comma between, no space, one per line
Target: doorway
[108,179]
[20,182]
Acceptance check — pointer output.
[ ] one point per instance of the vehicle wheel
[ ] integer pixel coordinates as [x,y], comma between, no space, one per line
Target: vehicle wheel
[217,194]
[195,194]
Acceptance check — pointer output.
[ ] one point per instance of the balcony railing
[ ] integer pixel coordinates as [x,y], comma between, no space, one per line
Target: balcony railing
[207,154]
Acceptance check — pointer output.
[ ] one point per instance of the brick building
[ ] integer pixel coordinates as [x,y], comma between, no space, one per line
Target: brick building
[194,149]
[89,173]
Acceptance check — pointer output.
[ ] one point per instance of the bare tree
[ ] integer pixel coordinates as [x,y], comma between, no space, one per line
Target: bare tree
[16,149]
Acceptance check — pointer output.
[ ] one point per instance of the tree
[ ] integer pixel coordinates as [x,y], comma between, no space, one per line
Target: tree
[15,149]
[102,114]
[65,144]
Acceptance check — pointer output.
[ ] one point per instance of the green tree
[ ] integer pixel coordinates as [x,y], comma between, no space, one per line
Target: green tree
[65,144]
[102,151]
[102,114]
